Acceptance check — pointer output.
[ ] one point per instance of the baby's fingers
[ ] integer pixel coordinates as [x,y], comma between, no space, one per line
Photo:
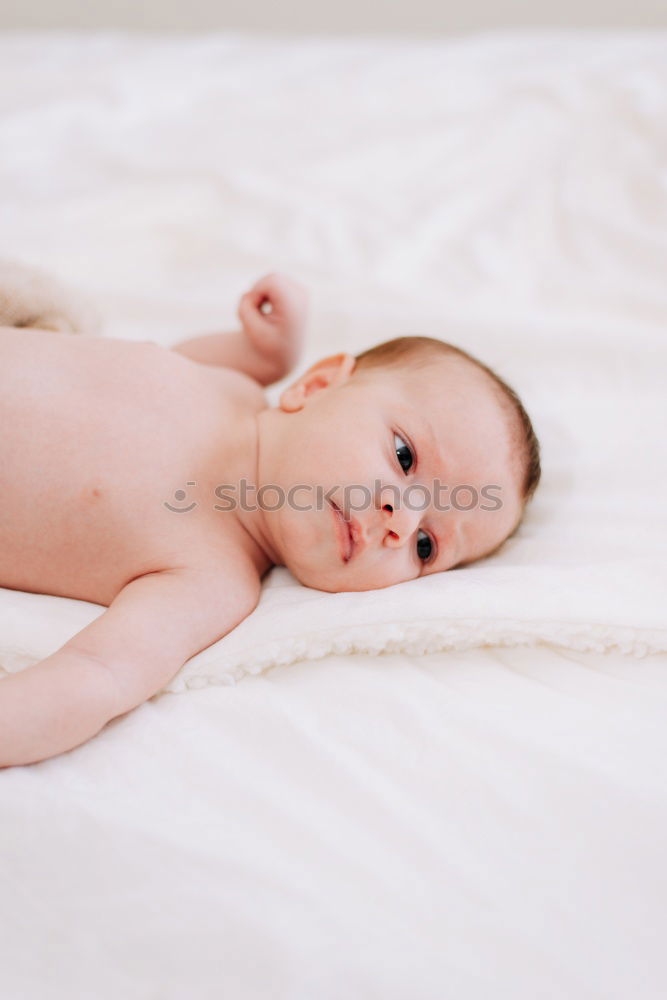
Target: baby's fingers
[280,297]
[273,314]
[278,302]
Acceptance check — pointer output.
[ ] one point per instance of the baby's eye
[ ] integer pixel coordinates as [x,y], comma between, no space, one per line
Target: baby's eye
[404,453]
[424,546]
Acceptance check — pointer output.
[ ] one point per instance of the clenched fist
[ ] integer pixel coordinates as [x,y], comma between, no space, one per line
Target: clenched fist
[273,314]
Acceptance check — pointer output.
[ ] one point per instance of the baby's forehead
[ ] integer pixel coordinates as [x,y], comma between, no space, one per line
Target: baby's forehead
[442,384]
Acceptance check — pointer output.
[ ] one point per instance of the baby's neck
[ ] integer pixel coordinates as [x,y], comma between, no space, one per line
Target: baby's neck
[242,470]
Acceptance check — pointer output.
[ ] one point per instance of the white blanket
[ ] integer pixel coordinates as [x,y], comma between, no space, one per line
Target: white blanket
[505,193]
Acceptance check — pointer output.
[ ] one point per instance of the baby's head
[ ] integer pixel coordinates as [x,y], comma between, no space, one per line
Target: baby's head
[428,455]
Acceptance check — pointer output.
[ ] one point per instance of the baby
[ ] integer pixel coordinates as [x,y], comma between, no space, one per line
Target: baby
[161,484]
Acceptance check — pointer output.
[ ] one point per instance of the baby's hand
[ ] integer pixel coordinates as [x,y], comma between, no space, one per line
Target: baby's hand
[273,314]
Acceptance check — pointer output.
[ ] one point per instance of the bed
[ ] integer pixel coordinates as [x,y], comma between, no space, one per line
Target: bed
[455,787]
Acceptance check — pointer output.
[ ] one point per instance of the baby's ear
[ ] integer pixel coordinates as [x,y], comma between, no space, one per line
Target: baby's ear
[324,374]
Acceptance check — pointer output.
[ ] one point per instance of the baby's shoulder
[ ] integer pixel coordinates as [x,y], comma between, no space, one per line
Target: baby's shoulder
[240,389]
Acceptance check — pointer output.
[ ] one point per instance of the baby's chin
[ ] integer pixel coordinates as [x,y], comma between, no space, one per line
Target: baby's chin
[336,582]
[319,579]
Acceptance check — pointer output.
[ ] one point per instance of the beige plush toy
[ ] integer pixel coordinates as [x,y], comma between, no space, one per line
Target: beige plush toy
[29,297]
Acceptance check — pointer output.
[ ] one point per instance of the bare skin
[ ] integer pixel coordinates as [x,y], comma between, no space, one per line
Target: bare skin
[99,435]
[84,512]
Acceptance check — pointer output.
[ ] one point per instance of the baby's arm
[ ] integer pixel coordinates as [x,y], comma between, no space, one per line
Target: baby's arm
[156,623]
[273,318]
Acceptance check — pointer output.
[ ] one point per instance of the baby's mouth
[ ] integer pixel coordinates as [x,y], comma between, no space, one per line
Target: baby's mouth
[343,533]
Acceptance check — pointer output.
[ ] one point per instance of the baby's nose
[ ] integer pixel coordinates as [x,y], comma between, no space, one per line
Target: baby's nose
[398,523]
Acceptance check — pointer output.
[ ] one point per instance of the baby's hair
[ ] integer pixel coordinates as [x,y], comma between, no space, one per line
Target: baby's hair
[420,352]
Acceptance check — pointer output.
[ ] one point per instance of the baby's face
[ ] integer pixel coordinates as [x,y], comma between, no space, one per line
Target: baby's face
[419,463]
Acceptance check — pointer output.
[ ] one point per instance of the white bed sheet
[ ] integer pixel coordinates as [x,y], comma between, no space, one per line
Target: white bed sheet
[476,824]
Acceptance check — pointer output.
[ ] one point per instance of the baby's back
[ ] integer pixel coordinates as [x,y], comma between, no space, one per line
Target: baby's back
[97,435]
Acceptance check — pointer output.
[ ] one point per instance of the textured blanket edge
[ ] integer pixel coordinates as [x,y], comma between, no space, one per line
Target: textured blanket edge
[414,640]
